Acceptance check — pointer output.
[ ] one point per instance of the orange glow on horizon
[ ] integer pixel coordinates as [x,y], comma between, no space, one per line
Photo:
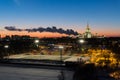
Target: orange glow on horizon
[49,34]
[32,34]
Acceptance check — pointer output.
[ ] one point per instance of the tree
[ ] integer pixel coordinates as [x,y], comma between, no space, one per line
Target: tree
[104,58]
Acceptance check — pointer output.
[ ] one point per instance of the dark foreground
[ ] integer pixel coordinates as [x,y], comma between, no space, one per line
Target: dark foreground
[9,72]
[72,71]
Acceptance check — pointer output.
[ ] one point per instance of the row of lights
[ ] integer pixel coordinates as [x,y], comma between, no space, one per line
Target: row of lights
[37,42]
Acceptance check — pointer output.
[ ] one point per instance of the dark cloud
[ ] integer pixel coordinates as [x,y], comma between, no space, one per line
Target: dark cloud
[12,28]
[41,29]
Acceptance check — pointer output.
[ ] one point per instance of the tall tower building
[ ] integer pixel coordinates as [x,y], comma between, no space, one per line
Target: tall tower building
[87,33]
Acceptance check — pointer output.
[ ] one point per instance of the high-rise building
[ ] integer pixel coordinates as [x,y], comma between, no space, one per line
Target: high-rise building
[87,33]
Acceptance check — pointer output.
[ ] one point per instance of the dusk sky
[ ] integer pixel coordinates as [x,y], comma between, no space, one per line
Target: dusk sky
[103,16]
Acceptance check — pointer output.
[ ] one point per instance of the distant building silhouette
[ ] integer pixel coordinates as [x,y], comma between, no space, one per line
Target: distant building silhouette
[89,34]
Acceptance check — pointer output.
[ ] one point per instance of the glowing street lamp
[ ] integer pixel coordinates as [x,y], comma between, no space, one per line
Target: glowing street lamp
[81,41]
[36,42]
[6,48]
[61,76]
[61,48]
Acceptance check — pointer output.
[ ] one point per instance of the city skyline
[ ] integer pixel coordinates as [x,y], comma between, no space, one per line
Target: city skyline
[102,16]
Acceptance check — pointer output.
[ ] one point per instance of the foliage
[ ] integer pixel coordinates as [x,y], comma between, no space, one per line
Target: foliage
[104,58]
[116,75]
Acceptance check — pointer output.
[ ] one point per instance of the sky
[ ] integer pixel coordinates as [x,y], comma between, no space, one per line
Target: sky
[103,16]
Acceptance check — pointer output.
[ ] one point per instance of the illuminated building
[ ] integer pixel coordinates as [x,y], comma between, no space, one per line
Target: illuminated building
[87,33]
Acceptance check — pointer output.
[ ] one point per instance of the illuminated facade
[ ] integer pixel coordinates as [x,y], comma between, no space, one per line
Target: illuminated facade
[87,33]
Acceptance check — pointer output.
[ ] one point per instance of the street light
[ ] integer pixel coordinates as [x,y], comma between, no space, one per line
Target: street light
[36,42]
[81,41]
[36,45]
[61,48]
[6,48]
[61,76]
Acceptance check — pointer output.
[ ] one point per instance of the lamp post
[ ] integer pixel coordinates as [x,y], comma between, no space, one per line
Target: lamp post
[6,50]
[36,42]
[61,76]
[61,49]
[81,41]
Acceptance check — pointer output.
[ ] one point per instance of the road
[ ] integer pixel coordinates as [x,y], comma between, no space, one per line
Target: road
[24,73]
[49,57]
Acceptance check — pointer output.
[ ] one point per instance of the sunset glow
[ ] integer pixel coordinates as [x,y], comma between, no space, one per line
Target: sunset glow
[103,16]
[32,34]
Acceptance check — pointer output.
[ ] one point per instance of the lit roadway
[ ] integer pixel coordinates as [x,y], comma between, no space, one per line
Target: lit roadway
[49,57]
[25,73]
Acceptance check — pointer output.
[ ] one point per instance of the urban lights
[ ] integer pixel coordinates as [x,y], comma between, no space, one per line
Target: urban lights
[6,48]
[36,42]
[61,76]
[81,41]
[61,48]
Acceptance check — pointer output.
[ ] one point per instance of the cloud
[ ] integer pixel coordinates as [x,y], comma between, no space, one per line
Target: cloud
[12,28]
[52,29]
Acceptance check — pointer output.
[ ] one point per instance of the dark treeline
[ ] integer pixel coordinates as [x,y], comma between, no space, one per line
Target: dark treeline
[15,46]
